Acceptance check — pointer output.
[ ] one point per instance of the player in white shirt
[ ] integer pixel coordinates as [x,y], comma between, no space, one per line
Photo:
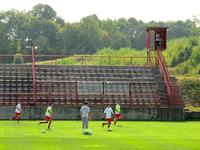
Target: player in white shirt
[18,111]
[85,115]
[108,116]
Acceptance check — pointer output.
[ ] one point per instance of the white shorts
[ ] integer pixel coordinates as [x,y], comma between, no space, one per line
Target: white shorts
[85,121]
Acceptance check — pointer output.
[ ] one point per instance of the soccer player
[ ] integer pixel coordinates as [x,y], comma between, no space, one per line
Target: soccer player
[85,114]
[18,112]
[108,115]
[117,113]
[48,118]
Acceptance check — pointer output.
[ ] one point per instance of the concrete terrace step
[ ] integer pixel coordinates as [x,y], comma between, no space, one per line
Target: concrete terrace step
[69,85]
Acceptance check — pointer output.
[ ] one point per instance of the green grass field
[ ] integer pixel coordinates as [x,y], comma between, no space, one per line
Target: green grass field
[67,135]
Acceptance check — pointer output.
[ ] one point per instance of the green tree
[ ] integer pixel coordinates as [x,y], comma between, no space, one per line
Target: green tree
[14,22]
[44,11]
[69,38]
[116,39]
[90,34]
[4,42]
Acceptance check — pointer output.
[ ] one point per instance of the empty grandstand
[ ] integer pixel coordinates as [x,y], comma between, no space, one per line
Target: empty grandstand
[136,87]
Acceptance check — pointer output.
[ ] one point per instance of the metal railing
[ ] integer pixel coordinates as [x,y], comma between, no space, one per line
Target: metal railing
[98,60]
[172,90]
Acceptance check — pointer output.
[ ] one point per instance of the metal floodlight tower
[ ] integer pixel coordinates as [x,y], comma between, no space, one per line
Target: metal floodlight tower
[32,46]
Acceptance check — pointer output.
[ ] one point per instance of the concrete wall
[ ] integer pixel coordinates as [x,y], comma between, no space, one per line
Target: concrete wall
[72,113]
[192,115]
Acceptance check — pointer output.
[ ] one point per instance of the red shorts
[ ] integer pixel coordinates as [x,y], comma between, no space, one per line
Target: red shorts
[47,118]
[118,116]
[109,120]
[17,114]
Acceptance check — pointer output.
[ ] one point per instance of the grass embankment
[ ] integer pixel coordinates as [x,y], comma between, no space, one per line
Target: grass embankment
[108,56]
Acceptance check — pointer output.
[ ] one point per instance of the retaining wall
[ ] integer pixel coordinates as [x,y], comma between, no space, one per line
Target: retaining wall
[72,113]
[192,115]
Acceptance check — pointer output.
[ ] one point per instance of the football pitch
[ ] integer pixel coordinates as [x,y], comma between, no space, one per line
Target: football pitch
[67,135]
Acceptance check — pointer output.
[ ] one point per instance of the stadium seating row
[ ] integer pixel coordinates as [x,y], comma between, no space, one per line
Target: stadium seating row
[72,85]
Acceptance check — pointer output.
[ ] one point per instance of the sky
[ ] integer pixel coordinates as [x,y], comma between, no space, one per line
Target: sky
[145,10]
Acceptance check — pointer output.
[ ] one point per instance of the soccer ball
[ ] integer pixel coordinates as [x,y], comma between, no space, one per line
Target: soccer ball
[109,130]
[43,131]
[88,132]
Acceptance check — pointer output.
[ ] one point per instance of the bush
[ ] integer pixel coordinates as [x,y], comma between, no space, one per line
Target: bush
[190,89]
